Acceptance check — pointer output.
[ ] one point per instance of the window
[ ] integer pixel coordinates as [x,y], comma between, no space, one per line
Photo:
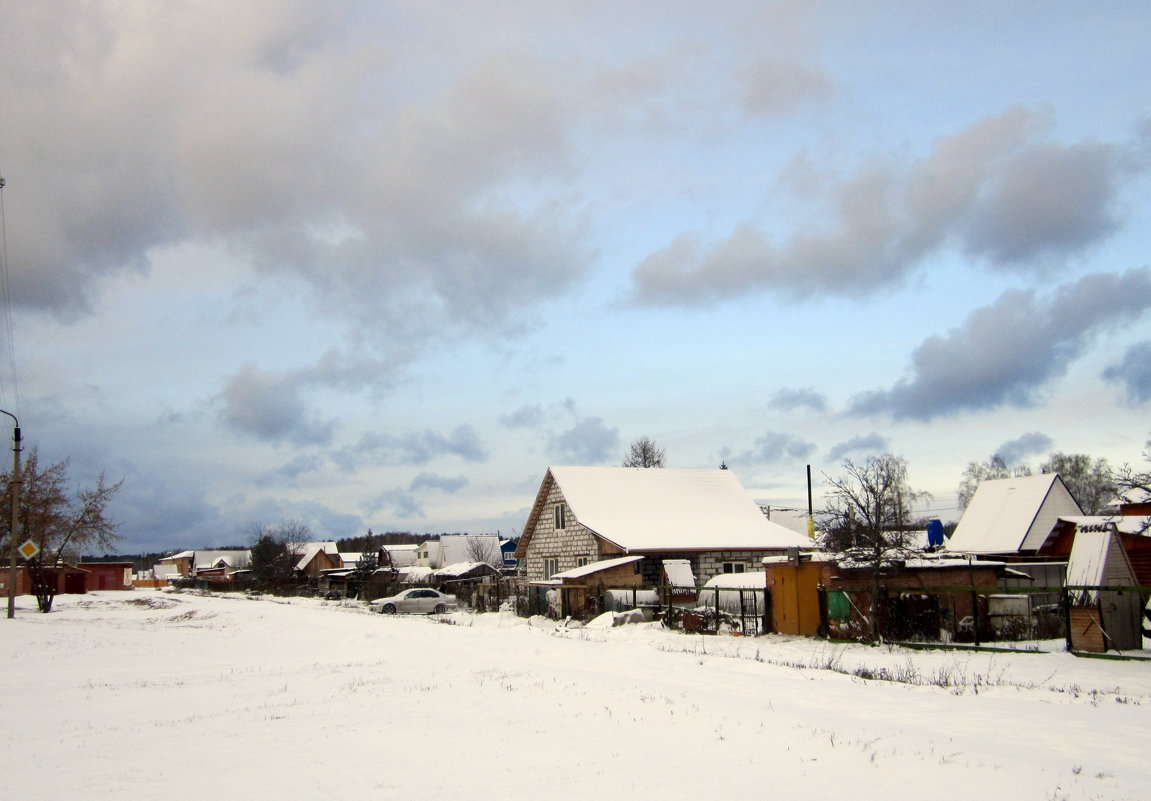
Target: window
[561,518]
[733,567]
[551,566]
[581,561]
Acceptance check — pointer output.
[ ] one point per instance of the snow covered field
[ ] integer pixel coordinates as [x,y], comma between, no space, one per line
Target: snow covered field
[157,695]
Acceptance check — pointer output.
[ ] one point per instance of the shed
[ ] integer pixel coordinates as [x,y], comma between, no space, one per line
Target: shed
[581,589]
[1102,619]
[107,575]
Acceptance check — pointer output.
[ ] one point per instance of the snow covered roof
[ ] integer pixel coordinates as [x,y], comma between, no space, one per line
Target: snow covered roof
[752,579]
[1097,558]
[663,509]
[414,573]
[470,547]
[596,567]
[1008,515]
[308,551]
[459,569]
[181,555]
[202,560]
[1124,524]
[679,572]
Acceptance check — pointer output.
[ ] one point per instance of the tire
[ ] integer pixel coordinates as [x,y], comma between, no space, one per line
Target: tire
[440,609]
[388,609]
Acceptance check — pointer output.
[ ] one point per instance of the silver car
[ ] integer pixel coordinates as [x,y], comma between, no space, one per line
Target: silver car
[421,600]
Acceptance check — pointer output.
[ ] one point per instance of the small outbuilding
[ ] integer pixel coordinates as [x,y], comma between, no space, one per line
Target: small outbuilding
[1102,619]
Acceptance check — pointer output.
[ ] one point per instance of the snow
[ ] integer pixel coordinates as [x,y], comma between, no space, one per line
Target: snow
[643,509]
[227,697]
[1011,514]
[591,568]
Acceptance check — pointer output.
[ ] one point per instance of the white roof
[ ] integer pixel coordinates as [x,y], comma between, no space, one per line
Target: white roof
[666,509]
[1007,515]
[466,547]
[308,551]
[1097,558]
[752,579]
[1125,524]
[679,572]
[414,573]
[208,559]
[596,567]
[459,568]
[181,555]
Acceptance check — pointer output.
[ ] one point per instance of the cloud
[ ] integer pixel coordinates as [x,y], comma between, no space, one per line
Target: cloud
[416,447]
[291,471]
[435,481]
[870,444]
[789,399]
[1005,353]
[434,208]
[1018,450]
[774,447]
[774,85]
[996,190]
[527,416]
[589,441]
[1133,373]
[395,504]
[268,406]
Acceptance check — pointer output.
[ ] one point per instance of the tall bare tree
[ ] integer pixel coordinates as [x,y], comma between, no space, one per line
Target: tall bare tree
[1133,484]
[977,472]
[63,523]
[867,518]
[644,453]
[1089,481]
[485,549]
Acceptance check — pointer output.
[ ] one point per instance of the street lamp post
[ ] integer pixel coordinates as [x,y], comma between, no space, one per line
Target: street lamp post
[13,533]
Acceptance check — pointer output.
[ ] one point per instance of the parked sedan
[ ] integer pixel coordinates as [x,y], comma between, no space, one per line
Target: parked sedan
[420,600]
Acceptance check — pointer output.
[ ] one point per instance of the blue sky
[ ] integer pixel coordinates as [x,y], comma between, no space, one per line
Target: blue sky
[379,265]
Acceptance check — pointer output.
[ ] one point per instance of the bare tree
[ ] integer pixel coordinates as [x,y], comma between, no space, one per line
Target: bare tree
[1135,485]
[486,549]
[1089,481]
[867,517]
[644,453]
[62,524]
[977,472]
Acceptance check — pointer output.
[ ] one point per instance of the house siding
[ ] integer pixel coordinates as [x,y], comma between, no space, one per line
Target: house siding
[566,544]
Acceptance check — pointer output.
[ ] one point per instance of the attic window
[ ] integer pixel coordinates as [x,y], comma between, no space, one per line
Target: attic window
[561,517]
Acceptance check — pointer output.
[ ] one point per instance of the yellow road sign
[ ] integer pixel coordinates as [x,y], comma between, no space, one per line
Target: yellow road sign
[29,549]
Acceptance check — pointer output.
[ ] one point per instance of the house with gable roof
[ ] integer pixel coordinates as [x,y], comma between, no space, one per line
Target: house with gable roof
[584,515]
[1013,517]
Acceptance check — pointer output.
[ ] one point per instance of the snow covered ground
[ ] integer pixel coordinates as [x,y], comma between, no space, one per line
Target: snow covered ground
[174,696]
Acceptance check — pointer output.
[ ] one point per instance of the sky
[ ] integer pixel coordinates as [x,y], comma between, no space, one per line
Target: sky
[378,265]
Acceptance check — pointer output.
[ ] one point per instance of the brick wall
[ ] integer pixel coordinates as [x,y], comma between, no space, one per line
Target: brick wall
[566,544]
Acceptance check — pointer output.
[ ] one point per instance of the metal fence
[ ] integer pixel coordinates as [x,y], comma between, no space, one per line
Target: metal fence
[1036,618]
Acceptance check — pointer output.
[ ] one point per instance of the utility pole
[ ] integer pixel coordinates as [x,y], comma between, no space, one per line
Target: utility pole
[14,529]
